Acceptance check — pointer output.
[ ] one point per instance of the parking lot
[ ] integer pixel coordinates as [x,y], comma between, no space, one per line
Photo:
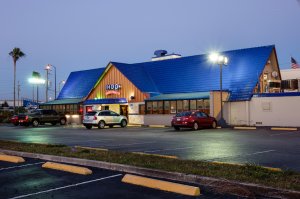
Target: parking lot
[264,147]
[30,180]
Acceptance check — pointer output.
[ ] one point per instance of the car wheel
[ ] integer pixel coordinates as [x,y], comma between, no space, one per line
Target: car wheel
[63,121]
[53,123]
[88,126]
[195,126]
[35,123]
[214,125]
[123,123]
[111,126]
[176,128]
[16,124]
[101,124]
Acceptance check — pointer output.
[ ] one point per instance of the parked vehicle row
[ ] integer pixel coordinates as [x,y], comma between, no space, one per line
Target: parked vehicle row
[187,119]
[39,117]
[104,118]
[193,120]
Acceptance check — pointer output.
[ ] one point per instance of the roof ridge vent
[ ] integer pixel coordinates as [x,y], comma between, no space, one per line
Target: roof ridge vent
[163,55]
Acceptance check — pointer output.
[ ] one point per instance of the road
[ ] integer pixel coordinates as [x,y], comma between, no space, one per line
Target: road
[263,147]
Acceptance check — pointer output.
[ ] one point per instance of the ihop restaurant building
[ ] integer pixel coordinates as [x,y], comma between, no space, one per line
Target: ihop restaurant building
[152,92]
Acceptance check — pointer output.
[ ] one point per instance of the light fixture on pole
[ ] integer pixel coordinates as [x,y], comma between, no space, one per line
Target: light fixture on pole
[36,80]
[221,60]
[47,68]
[61,82]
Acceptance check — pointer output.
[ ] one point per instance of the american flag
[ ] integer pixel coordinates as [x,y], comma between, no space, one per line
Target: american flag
[294,63]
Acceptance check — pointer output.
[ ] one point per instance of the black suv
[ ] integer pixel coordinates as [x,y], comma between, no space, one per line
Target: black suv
[40,116]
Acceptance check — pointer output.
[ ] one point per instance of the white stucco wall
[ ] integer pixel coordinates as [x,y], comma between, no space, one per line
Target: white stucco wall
[133,113]
[158,119]
[265,111]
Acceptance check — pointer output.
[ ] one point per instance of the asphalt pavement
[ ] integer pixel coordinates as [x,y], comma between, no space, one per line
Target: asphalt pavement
[30,180]
[262,147]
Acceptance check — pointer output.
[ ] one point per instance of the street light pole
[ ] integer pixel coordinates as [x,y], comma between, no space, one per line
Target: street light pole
[221,60]
[47,81]
[48,67]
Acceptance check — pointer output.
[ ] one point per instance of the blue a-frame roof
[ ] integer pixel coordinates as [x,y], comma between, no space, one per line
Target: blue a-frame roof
[197,74]
[80,83]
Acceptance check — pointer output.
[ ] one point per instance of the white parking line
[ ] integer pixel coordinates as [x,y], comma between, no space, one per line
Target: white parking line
[174,149]
[259,152]
[286,133]
[131,144]
[25,165]
[64,187]
[247,154]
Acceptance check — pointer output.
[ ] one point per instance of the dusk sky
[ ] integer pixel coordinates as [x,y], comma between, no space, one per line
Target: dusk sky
[78,35]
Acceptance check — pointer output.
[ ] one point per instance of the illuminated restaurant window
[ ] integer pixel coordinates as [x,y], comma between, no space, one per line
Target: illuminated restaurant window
[149,107]
[160,107]
[206,104]
[200,104]
[154,107]
[193,105]
[186,105]
[173,106]
[179,106]
[166,107]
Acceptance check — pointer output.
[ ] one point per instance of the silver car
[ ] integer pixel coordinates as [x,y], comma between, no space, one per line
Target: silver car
[103,118]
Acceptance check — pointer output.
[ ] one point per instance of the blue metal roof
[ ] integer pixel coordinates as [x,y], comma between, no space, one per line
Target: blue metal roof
[80,83]
[197,74]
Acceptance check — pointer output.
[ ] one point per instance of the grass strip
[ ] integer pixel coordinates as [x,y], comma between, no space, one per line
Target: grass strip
[242,173]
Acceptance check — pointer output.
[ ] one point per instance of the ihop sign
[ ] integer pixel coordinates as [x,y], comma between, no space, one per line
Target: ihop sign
[113,87]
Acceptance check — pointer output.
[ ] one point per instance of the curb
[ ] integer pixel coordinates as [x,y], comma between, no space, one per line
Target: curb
[67,168]
[157,155]
[283,129]
[244,128]
[209,182]
[161,185]
[90,148]
[10,158]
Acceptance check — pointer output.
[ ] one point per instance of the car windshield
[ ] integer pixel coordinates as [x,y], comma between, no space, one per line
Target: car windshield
[92,113]
[182,114]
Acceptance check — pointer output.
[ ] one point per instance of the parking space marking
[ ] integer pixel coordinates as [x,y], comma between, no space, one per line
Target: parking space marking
[286,133]
[174,149]
[247,154]
[67,186]
[259,152]
[131,144]
[25,165]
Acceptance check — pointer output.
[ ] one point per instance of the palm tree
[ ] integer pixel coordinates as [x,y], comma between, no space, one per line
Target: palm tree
[16,53]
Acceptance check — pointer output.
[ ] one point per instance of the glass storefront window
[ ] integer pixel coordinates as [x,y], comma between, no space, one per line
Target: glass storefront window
[173,106]
[160,107]
[206,104]
[149,107]
[179,106]
[154,107]
[166,107]
[193,105]
[186,105]
[200,104]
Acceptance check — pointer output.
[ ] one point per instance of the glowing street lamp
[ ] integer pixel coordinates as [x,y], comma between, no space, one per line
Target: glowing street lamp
[216,58]
[36,80]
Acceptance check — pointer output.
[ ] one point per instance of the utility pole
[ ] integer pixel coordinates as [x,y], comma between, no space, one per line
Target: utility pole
[18,95]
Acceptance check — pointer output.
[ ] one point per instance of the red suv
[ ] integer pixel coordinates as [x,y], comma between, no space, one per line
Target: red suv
[193,120]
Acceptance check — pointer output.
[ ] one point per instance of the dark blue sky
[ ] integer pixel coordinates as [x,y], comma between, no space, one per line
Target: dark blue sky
[77,35]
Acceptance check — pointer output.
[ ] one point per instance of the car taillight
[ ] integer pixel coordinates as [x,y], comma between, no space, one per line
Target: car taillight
[26,117]
[95,117]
